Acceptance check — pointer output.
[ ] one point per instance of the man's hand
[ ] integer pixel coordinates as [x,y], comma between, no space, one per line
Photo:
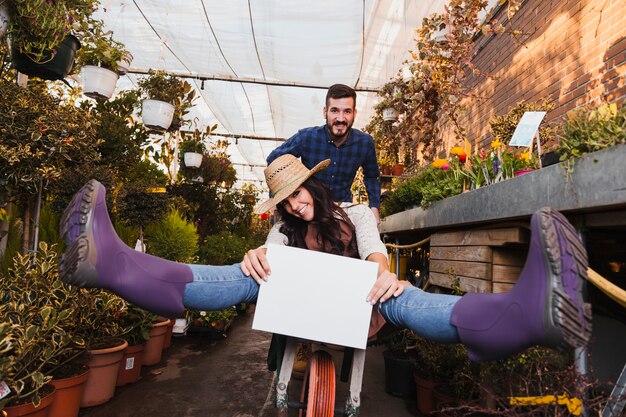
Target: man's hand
[255,265]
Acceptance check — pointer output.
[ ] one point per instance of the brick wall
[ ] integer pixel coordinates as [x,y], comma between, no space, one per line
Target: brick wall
[573,52]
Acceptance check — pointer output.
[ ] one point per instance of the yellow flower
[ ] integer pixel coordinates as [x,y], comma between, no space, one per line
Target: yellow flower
[457,150]
[525,156]
[438,163]
[496,144]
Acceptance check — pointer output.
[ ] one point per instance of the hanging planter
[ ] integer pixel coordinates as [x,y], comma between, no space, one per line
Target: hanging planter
[123,65]
[55,66]
[193,159]
[157,114]
[98,82]
[390,114]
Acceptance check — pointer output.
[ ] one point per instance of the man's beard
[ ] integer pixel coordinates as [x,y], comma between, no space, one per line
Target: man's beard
[330,128]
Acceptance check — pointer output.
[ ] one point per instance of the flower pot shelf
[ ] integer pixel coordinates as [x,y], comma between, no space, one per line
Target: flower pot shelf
[593,186]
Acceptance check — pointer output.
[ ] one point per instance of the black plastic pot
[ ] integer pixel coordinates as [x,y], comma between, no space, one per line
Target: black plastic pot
[399,371]
[56,68]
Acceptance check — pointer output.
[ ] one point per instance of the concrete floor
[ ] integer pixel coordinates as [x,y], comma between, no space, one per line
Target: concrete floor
[229,378]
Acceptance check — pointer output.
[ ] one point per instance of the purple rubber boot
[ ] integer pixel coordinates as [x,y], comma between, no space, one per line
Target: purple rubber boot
[545,307]
[97,258]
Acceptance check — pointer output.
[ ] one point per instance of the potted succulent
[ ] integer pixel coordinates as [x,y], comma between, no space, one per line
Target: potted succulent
[165,97]
[41,43]
[98,61]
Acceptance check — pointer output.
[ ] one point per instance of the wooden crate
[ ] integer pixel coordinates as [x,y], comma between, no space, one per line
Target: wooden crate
[487,260]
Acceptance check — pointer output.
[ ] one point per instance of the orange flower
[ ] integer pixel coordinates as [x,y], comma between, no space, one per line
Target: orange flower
[438,163]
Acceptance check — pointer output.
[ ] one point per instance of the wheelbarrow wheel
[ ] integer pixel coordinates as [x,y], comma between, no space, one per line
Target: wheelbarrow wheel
[318,389]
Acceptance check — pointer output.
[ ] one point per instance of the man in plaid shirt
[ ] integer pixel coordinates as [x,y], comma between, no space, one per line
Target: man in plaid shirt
[347,148]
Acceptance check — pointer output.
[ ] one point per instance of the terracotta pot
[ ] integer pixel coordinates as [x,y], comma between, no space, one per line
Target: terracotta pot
[385,170]
[154,346]
[69,394]
[424,390]
[29,409]
[167,342]
[442,400]
[398,169]
[130,366]
[103,367]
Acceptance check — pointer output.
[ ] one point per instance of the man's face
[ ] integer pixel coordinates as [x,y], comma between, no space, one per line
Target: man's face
[339,115]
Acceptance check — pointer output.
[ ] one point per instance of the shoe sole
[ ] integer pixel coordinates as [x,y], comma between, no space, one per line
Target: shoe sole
[78,207]
[77,266]
[569,321]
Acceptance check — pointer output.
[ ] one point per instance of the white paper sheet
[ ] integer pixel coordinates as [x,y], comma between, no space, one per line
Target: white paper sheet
[316,296]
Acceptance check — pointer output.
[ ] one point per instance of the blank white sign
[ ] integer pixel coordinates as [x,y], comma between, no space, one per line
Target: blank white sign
[316,296]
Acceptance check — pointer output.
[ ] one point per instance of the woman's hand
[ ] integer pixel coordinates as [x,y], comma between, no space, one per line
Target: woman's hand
[255,265]
[385,287]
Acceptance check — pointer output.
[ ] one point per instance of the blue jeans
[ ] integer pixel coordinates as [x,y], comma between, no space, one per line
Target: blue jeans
[219,287]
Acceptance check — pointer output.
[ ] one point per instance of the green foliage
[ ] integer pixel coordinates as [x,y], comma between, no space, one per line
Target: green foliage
[214,209]
[97,47]
[120,136]
[172,238]
[14,244]
[430,185]
[224,248]
[504,126]
[139,205]
[128,234]
[49,224]
[217,318]
[589,131]
[171,89]
[38,311]
[40,137]
[138,324]
[38,26]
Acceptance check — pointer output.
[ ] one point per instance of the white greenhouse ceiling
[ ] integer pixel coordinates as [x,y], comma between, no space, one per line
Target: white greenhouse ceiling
[267,63]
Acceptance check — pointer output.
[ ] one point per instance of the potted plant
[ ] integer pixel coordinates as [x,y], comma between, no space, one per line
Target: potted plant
[212,323]
[166,96]
[98,61]
[399,360]
[41,43]
[192,148]
[37,312]
[139,323]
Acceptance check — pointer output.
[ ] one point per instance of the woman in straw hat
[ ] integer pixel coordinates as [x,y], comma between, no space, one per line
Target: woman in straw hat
[545,306]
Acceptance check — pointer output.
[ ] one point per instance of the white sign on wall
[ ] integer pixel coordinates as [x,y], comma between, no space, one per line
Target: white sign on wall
[316,296]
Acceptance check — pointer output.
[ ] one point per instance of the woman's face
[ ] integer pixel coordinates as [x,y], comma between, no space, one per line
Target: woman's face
[300,204]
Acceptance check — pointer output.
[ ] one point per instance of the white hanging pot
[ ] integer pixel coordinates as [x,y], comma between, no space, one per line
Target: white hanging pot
[193,159]
[123,65]
[440,35]
[4,18]
[157,114]
[390,114]
[98,82]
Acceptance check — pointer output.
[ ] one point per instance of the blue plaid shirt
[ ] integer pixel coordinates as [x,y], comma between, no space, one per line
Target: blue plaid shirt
[314,144]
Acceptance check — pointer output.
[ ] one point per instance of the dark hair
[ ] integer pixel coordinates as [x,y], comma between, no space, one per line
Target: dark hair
[340,91]
[325,218]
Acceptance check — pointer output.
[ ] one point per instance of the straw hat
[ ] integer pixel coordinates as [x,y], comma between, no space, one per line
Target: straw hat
[283,176]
